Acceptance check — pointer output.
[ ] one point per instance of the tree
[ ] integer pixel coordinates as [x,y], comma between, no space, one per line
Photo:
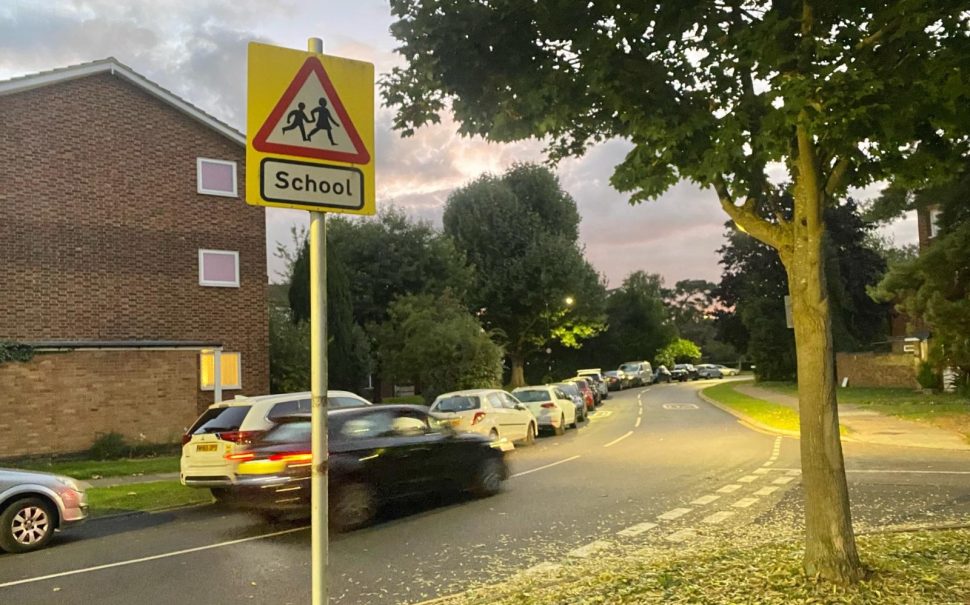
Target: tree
[532,283]
[692,303]
[835,94]
[289,353]
[639,321]
[437,343]
[680,350]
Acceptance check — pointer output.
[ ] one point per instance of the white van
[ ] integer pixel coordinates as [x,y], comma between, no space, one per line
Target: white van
[639,373]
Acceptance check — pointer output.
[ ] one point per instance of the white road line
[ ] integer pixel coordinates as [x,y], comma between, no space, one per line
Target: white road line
[718,517]
[769,463]
[588,549]
[174,553]
[636,530]
[544,567]
[744,502]
[637,425]
[766,490]
[762,471]
[670,515]
[619,439]
[748,479]
[783,480]
[532,470]
[794,472]
[705,499]
[906,472]
[727,489]
[681,536]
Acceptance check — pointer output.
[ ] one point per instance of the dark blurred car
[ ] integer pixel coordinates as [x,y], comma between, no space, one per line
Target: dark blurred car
[588,395]
[662,374]
[684,372]
[614,380]
[377,454]
[572,389]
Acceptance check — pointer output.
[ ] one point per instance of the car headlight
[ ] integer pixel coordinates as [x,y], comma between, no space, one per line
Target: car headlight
[69,483]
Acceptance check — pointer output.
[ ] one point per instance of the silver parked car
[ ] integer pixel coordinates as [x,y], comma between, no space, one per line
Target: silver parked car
[33,505]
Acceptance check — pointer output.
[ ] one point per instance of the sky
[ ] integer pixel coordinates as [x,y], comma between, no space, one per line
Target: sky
[197,49]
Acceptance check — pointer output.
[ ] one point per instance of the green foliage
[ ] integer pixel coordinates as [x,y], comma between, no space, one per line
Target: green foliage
[770,414]
[289,353]
[679,351]
[520,232]
[435,343]
[155,495]
[928,376]
[109,446]
[14,351]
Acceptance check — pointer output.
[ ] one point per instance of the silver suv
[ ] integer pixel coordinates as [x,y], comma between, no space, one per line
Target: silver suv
[639,373]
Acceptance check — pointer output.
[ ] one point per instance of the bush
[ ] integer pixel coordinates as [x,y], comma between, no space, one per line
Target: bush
[928,377]
[109,446]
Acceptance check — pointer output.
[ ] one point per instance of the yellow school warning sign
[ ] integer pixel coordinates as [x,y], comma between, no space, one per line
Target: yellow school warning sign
[309,131]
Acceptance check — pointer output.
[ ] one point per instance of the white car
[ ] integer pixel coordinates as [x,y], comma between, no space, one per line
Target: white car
[726,371]
[552,407]
[231,424]
[490,412]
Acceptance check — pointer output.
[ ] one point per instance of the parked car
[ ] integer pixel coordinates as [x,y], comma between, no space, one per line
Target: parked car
[726,371]
[572,389]
[597,375]
[588,396]
[597,398]
[551,406]
[707,370]
[615,380]
[490,412]
[684,372]
[377,455]
[662,374]
[228,425]
[34,505]
[639,372]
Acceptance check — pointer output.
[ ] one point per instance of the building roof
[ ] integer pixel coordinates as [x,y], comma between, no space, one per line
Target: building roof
[116,68]
[70,345]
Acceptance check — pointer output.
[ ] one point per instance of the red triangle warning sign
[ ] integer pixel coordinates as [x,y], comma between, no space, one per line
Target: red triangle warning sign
[310,121]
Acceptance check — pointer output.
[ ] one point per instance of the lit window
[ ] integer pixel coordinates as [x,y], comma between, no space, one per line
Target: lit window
[230,368]
[215,177]
[219,268]
[935,222]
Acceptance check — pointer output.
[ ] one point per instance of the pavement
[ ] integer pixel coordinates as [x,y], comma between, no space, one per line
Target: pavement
[654,468]
[868,426]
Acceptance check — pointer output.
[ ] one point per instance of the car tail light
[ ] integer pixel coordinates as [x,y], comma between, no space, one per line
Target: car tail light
[239,456]
[548,404]
[239,436]
[186,438]
[304,457]
[478,417]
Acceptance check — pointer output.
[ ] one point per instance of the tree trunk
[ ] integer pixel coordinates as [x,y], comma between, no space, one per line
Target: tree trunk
[518,370]
[830,550]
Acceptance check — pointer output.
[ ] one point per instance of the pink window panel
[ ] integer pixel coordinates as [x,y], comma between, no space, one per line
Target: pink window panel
[219,268]
[217,177]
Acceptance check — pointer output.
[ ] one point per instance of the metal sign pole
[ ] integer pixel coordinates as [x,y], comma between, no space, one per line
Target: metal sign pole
[318,387]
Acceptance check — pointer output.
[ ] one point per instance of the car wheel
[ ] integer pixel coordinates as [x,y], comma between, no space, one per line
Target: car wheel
[561,429]
[352,506]
[270,517]
[530,435]
[221,494]
[27,525]
[488,480]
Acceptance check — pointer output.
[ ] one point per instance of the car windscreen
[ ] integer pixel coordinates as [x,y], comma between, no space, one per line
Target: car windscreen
[569,387]
[288,432]
[217,420]
[630,367]
[532,395]
[457,403]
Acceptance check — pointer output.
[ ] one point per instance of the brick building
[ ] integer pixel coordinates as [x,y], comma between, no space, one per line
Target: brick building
[128,256]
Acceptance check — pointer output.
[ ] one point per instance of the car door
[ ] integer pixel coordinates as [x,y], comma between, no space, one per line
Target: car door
[520,416]
[566,403]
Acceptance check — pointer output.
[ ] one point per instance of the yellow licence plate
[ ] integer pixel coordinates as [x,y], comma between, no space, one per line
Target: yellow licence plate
[206,447]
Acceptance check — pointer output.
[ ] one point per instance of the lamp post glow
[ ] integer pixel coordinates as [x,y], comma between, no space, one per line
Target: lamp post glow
[569,300]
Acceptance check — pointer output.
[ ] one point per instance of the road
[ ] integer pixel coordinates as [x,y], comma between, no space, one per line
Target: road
[655,466]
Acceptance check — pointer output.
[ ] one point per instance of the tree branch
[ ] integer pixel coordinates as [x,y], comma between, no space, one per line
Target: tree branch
[745,217]
[874,38]
[837,176]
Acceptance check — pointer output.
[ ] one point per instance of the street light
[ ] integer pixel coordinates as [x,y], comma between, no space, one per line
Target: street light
[569,300]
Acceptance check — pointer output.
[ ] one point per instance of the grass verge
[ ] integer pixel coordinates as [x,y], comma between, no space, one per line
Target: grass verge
[96,469]
[919,568]
[143,497]
[945,410]
[764,412]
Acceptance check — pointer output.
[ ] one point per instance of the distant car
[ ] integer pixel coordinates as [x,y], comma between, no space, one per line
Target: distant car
[551,406]
[726,371]
[707,370]
[490,412]
[572,389]
[597,397]
[231,424]
[615,381]
[597,375]
[34,505]
[588,396]
[684,372]
[662,374]
[377,454]
[639,372]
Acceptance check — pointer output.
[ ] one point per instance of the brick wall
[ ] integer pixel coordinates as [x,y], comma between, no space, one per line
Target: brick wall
[100,225]
[877,369]
[58,402]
